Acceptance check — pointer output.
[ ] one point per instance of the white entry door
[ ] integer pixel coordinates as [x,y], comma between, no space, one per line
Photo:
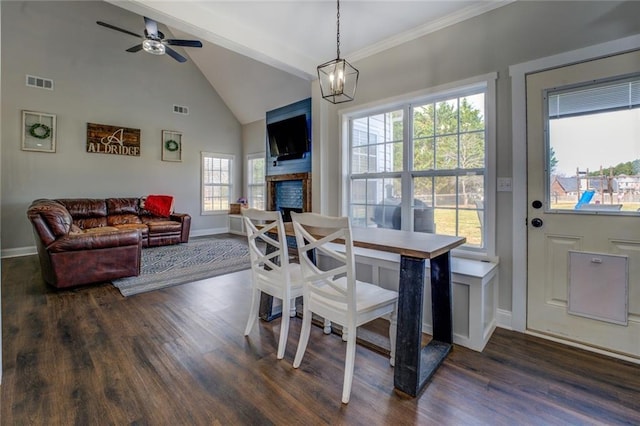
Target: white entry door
[583,218]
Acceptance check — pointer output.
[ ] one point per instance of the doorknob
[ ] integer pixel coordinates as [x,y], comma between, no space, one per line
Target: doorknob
[536,222]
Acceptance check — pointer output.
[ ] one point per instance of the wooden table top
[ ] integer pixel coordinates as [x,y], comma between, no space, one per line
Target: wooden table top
[405,243]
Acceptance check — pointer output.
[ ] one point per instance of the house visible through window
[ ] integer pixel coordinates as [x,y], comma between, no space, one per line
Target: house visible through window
[421,166]
[255,181]
[593,151]
[217,185]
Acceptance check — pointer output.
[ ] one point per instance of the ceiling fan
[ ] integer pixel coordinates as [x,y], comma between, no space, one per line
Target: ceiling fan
[154,41]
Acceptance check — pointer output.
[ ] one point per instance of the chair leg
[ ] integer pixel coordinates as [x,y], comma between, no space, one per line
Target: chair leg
[393,326]
[284,328]
[292,309]
[253,311]
[304,337]
[348,367]
[327,327]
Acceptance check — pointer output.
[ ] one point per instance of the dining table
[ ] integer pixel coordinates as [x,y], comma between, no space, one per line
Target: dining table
[414,364]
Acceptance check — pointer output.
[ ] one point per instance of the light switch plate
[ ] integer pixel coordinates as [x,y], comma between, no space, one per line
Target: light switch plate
[504,184]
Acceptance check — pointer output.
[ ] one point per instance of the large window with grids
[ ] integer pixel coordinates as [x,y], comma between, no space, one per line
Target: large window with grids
[217,182]
[421,166]
[255,181]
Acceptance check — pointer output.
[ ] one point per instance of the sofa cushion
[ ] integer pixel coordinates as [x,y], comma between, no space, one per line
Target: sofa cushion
[164,226]
[117,206]
[54,214]
[140,226]
[83,208]
[100,230]
[122,219]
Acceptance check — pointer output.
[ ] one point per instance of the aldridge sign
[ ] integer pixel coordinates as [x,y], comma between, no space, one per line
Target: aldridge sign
[105,139]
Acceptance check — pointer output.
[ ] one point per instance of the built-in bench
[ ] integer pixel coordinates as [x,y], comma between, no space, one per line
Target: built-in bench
[474,286]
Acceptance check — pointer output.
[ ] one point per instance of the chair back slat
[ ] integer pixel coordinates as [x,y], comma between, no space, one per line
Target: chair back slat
[315,233]
[267,254]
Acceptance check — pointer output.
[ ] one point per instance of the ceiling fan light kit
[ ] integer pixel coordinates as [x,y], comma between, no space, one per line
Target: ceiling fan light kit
[338,78]
[153,40]
[154,47]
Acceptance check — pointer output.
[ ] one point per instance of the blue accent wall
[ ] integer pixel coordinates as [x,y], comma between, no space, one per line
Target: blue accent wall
[301,165]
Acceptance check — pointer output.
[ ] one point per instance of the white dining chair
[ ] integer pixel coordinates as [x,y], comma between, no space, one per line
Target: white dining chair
[333,292]
[271,271]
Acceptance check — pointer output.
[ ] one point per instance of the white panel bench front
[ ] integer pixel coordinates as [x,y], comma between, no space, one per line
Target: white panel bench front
[475,293]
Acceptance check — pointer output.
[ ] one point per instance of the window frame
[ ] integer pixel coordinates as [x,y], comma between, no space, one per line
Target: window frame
[418,98]
[251,157]
[203,185]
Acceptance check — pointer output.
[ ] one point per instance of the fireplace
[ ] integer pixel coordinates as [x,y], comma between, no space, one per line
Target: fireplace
[289,192]
[286,212]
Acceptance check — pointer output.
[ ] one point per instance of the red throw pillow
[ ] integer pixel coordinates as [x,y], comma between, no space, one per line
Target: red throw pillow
[160,205]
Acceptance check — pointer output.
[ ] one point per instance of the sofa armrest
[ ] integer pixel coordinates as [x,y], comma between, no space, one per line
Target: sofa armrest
[185,219]
[90,241]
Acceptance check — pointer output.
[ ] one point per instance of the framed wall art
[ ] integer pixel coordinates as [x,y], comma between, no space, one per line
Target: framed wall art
[171,145]
[117,140]
[38,131]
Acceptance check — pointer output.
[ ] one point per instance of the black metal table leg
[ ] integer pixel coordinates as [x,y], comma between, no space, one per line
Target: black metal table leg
[415,366]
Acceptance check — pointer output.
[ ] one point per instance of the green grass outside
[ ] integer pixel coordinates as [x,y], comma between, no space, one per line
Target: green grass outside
[469,224]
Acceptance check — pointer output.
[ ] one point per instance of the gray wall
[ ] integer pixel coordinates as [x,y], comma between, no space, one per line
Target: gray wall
[97,81]
[516,33]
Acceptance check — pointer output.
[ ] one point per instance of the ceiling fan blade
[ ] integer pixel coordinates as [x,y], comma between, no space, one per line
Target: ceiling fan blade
[104,24]
[175,55]
[185,43]
[151,27]
[136,48]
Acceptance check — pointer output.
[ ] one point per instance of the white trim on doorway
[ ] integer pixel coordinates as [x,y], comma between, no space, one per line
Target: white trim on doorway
[518,74]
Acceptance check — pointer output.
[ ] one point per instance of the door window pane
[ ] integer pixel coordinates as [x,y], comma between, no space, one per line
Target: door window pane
[593,151]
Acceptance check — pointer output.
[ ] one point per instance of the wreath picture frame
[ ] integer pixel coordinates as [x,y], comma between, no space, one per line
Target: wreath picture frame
[171,145]
[38,131]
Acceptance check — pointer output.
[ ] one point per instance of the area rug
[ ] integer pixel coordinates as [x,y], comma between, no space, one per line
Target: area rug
[176,264]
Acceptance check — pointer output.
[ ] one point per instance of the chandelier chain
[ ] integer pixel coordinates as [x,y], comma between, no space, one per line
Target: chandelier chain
[338,32]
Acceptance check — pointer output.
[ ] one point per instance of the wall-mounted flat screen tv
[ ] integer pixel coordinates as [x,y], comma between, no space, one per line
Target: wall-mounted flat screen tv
[289,138]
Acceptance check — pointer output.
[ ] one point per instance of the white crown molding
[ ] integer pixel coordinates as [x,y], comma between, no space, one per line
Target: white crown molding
[422,30]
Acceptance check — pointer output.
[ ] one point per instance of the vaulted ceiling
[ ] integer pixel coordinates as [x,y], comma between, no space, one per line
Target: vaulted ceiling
[260,55]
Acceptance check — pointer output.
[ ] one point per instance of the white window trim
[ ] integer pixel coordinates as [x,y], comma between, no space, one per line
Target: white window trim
[486,80]
[230,157]
[255,156]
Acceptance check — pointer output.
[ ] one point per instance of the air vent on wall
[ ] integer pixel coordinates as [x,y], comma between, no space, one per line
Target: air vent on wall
[39,82]
[179,109]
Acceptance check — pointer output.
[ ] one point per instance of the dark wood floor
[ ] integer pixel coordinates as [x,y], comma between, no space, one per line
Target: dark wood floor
[178,357]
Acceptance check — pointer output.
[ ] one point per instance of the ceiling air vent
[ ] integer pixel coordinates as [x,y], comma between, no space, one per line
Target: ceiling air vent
[179,109]
[39,82]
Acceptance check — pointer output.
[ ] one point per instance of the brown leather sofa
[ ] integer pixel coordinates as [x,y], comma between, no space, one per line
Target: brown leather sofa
[83,241]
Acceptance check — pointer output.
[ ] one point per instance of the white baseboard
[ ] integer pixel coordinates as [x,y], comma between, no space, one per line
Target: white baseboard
[17,252]
[209,231]
[584,347]
[503,318]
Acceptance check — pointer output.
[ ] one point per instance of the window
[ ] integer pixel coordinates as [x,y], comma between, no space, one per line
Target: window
[255,181]
[217,184]
[421,165]
[593,152]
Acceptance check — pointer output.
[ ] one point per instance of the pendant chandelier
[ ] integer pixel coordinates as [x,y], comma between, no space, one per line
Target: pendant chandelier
[338,78]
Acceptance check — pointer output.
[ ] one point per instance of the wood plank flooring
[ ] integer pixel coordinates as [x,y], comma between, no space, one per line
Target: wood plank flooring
[178,357]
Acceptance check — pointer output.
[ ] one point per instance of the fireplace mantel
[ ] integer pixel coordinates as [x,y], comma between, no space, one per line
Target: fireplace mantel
[306,189]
